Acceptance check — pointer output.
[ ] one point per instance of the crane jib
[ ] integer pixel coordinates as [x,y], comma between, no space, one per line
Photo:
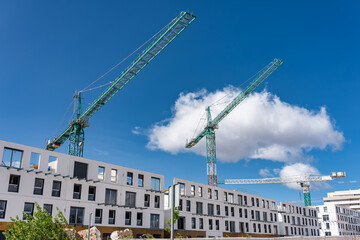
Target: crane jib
[170,32]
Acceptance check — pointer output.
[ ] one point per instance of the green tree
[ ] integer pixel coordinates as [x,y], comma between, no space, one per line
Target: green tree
[39,226]
[168,222]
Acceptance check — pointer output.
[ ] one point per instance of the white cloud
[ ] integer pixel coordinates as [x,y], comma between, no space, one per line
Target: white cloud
[265,173]
[261,127]
[137,130]
[301,169]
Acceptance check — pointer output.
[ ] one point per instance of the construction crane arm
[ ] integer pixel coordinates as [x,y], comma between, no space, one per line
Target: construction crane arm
[173,29]
[292,179]
[260,77]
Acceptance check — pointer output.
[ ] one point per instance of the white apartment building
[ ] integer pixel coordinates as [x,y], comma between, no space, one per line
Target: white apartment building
[209,211]
[297,220]
[335,220]
[118,197]
[348,198]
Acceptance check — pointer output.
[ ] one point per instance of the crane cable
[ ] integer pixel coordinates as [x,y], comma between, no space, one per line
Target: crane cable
[62,120]
[110,70]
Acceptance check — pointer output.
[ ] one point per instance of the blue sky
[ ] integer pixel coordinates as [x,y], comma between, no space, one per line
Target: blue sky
[49,49]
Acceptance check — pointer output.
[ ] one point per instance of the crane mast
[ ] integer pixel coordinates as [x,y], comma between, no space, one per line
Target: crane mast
[304,182]
[209,130]
[75,131]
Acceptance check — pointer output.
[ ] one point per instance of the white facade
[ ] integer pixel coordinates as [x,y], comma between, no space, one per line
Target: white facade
[297,220]
[348,198]
[337,220]
[135,198]
[221,211]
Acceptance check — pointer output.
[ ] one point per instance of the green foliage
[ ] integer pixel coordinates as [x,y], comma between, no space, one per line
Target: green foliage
[146,236]
[39,226]
[168,222]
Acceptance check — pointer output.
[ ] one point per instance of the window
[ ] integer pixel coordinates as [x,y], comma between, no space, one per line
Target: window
[130,199]
[2,208]
[210,209]
[80,170]
[192,190]
[140,180]
[209,193]
[232,226]
[210,224]
[181,223]
[38,186]
[52,164]
[34,160]
[240,200]
[257,202]
[226,211]
[157,202]
[188,205]
[217,224]
[101,173]
[139,217]
[127,218]
[155,184]
[245,200]
[257,215]
[112,216]
[92,193]
[231,198]
[252,202]
[245,213]
[325,217]
[180,207]
[98,216]
[199,208]
[200,191]
[201,223]
[146,200]
[325,210]
[241,227]
[154,220]
[232,210]
[225,197]
[182,189]
[240,212]
[129,178]
[77,191]
[110,196]
[14,183]
[28,209]
[216,194]
[193,223]
[48,208]
[218,210]
[226,225]
[113,176]
[56,189]
[12,158]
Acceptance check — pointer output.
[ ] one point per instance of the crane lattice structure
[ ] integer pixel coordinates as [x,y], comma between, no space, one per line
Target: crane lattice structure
[75,130]
[209,130]
[304,182]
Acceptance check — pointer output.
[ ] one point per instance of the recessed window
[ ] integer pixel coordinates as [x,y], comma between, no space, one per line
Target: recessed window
[92,193]
[80,170]
[127,218]
[77,191]
[216,194]
[52,165]
[201,223]
[155,183]
[28,209]
[2,208]
[209,193]
[112,216]
[48,208]
[188,205]
[38,186]
[210,209]
[139,217]
[14,183]
[217,224]
[193,223]
[110,196]
[146,200]
[182,189]
[34,160]
[76,216]
[157,202]
[140,180]
[192,190]
[129,179]
[199,208]
[56,189]
[200,191]
[210,224]
[130,199]
[12,158]
[113,175]
[154,220]
[98,216]
[101,173]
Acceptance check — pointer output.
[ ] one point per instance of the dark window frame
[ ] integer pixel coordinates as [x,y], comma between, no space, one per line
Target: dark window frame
[41,191]
[3,210]
[14,187]
[55,191]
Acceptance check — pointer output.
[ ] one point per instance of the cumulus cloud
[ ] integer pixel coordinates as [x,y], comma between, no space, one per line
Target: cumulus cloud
[301,169]
[262,127]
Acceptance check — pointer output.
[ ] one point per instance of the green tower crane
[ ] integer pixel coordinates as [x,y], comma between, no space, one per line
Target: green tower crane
[75,131]
[212,124]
